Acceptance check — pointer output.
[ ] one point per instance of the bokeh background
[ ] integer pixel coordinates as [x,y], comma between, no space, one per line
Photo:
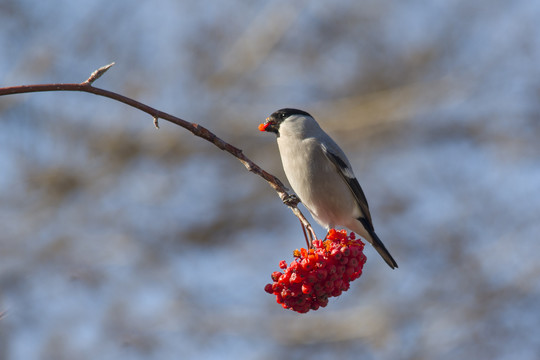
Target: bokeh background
[120,241]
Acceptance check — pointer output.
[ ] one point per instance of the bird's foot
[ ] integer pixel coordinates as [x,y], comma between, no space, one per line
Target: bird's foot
[291,200]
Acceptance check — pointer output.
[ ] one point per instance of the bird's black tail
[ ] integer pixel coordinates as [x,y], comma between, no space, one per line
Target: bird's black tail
[381,249]
[377,243]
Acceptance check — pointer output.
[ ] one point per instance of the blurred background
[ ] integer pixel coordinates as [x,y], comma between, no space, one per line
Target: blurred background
[120,241]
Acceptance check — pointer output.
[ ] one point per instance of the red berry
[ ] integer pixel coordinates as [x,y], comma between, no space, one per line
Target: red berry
[345,250]
[332,269]
[307,289]
[310,278]
[321,274]
[336,254]
[307,265]
[276,275]
[329,284]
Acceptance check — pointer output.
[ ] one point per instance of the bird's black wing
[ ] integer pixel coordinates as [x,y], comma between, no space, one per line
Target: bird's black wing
[348,176]
[346,173]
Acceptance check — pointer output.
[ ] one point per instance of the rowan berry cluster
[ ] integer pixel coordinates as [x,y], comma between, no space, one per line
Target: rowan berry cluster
[319,273]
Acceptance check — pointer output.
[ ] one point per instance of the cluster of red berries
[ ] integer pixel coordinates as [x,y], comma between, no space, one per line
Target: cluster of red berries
[319,273]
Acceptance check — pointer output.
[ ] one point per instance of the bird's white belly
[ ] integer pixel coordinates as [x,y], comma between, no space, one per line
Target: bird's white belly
[317,183]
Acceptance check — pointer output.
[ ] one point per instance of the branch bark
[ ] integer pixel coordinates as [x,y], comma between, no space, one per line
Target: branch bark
[195,129]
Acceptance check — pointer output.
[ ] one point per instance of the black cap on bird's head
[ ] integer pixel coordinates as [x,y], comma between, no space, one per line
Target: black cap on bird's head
[273,122]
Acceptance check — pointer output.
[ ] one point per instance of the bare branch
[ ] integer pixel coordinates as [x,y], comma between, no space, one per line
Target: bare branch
[194,128]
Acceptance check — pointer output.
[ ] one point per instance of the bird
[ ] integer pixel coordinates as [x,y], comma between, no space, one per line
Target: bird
[321,176]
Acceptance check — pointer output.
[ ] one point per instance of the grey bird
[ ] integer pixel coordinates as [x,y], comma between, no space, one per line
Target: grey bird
[321,176]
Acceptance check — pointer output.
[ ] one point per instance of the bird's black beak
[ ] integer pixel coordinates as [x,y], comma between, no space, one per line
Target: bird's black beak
[269,125]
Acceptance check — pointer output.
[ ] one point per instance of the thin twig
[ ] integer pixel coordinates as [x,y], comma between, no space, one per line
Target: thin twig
[194,128]
[309,242]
